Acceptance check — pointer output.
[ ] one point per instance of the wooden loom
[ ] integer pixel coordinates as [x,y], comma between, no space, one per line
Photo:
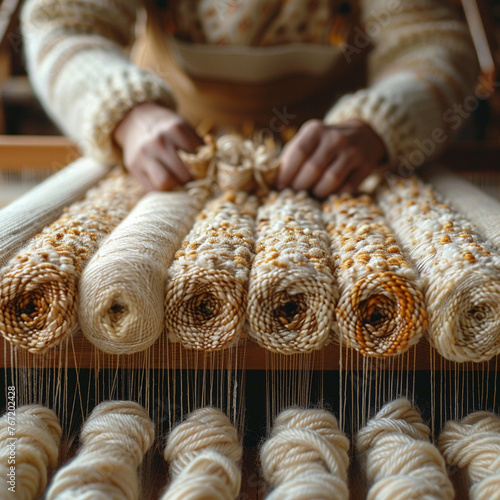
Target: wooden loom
[167,379]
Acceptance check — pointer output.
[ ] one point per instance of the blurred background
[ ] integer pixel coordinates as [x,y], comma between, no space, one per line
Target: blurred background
[31,146]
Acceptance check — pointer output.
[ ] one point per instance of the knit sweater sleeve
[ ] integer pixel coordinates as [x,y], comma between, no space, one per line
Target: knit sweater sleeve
[421,73]
[76,53]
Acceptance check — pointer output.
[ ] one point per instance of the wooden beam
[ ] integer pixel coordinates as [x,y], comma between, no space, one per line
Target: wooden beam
[47,152]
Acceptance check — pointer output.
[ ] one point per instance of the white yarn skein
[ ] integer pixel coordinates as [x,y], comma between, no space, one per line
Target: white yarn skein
[204,453]
[400,461]
[306,457]
[473,444]
[35,446]
[114,440]
[122,289]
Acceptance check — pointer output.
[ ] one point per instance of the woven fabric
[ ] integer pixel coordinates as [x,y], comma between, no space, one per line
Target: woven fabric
[482,210]
[380,311]
[30,213]
[207,289]
[292,292]
[460,273]
[38,288]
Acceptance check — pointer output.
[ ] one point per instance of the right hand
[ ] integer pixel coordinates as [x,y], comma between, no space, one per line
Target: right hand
[150,136]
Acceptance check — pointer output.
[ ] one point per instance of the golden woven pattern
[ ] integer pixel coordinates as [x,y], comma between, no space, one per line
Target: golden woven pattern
[207,287]
[38,288]
[292,292]
[460,275]
[380,311]
[236,163]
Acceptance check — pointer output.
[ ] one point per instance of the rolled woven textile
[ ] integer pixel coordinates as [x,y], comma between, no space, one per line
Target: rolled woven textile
[399,460]
[113,442]
[204,453]
[306,457]
[473,445]
[29,449]
[38,288]
[459,272]
[380,311]
[292,292]
[477,206]
[207,283]
[30,213]
[122,289]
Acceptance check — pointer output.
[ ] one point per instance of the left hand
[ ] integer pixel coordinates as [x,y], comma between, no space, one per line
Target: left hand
[330,158]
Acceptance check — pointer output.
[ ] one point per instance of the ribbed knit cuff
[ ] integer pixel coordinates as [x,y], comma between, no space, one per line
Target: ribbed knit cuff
[111,101]
[388,120]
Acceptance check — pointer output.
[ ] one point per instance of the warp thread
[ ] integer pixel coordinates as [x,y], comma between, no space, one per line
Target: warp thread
[460,273]
[38,288]
[122,289]
[113,442]
[306,457]
[400,462]
[204,453]
[381,310]
[473,444]
[292,292]
[31,441]
[207,287]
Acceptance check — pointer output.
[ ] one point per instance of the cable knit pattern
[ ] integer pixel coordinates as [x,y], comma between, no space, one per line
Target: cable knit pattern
[422,65]
[76,56]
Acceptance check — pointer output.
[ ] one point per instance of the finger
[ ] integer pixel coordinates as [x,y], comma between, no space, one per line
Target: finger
[295,153]
[173,164]
[141,177]
[158,175]
[183,137]
[313,168]
[335,175]
[355,178]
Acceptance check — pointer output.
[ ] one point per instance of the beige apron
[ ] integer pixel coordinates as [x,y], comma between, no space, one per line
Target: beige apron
[285,101]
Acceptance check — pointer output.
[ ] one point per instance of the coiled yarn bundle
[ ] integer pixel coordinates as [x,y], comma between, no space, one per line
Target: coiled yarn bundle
[38,288]
[380,311]
[122,290]
[292,292]
[204,453]
[35,435]
[473,444]
[206,294]
[400,461]
[113,442]
[460,274]
[306,457]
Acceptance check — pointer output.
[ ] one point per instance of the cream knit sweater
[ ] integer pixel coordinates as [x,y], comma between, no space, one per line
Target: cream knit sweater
[421,70]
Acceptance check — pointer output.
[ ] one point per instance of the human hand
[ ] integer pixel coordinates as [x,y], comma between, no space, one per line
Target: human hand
[329,158]
[150,136]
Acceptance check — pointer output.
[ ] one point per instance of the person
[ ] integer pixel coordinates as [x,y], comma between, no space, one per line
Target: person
[371,84]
